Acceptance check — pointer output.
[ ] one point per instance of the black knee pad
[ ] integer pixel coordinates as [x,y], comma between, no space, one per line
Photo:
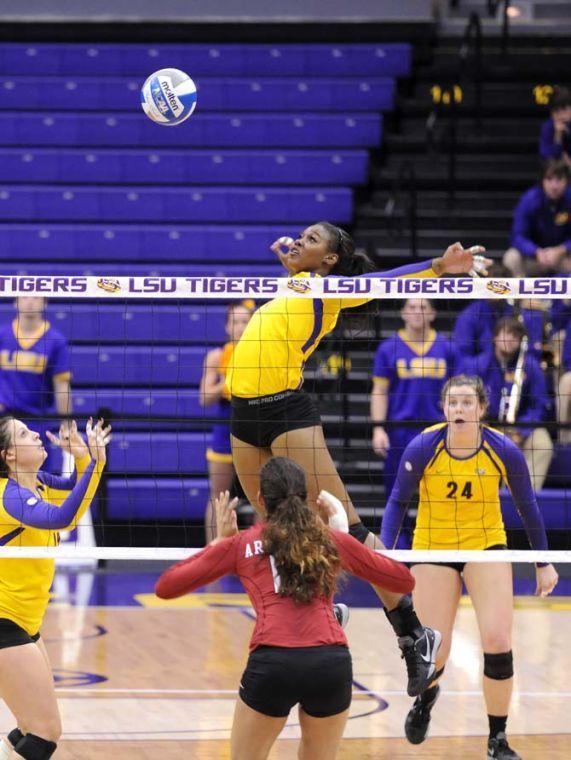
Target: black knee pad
[14,736]
[499,667]
[359,531]
[33,747]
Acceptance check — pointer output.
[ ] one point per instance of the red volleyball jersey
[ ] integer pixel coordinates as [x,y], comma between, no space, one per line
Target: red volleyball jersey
[280,621]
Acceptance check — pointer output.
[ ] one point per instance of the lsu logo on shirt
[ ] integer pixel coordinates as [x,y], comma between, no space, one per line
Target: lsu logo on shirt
[23,361]
[421,366]
[562,218]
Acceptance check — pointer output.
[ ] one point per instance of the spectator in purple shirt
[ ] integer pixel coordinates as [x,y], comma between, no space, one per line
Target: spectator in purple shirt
[541,232]
[555,140]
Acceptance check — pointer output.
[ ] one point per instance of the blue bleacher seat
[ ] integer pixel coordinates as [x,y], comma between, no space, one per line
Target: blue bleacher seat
[73,93]
[150,365]
[560,467]
[356,130]
[153,404]
[40,59]
[105,322]
[191,167]
[158,453]
[160,500]
[156,268]
[554,505]
[140,243]
[133,323]
[196,204]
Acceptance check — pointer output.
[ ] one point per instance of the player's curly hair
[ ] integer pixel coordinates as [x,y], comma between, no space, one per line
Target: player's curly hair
[305,556]
[5,443]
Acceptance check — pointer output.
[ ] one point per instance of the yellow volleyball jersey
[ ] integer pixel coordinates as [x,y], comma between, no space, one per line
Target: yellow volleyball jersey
[283,333]
[459,501]
[25,583]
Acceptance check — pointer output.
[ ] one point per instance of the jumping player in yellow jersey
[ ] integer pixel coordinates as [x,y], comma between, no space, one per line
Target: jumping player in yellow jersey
[34,507]
[272,416]
[459,467]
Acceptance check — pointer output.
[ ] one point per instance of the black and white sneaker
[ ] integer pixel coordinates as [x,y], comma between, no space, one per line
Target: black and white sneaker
[420,658]
[499,749]
[418,718]
[341,612]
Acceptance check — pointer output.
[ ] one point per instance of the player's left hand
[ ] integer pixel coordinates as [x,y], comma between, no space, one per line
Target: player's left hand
[546,578]
[460,260]
[332,511]
[226,518]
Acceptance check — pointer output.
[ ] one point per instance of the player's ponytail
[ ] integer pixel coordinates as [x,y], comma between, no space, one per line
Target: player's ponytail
[5,443]
[305,556]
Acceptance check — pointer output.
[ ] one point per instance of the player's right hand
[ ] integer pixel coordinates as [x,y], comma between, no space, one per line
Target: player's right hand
[226,518]
[381,443]
[281,248]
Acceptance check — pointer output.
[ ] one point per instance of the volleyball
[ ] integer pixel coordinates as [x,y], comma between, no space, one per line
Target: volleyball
[168,97]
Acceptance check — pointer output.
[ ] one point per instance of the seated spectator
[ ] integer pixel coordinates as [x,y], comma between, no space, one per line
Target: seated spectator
[541,232]
[564,394]
[410,370]
[555,140]
[474,326]
[35,371]
[496,369]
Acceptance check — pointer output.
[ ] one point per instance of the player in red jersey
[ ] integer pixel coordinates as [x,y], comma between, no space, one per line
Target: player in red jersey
[289,565]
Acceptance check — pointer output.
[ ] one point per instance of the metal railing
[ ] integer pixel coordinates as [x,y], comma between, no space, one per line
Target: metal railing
[492,8]
[404,195]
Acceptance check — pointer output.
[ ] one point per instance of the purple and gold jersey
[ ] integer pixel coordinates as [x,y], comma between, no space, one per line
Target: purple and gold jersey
[28,368]
[413,376]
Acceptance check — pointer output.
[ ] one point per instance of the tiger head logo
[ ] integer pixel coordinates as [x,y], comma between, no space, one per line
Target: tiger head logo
[299,285]
[499,287]
[109,285]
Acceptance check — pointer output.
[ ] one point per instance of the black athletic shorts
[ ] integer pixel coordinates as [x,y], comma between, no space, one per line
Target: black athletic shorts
[319,678]
[458,566]
[12,635]
[259,421]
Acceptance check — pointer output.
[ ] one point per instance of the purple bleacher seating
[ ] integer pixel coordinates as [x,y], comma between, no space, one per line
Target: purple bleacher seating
[259,94]
[167,270]
[560,467]
[191,167]
[132,499]
[139,243]
[233,60]
[158,453]
[134,323]
[152,404]
[299,130]
[150,365]
[554,505]
[196,204]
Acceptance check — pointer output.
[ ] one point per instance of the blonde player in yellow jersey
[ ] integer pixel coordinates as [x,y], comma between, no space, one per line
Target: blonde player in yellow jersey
[458,467]
[273,416]
[34,507]
[214,394]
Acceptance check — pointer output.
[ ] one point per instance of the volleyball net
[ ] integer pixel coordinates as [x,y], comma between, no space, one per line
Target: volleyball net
[137,349]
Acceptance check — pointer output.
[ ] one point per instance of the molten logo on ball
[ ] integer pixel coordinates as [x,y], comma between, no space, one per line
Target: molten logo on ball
[168,97]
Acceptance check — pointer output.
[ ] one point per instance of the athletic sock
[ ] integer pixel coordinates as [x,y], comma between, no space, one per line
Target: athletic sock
[497,725]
